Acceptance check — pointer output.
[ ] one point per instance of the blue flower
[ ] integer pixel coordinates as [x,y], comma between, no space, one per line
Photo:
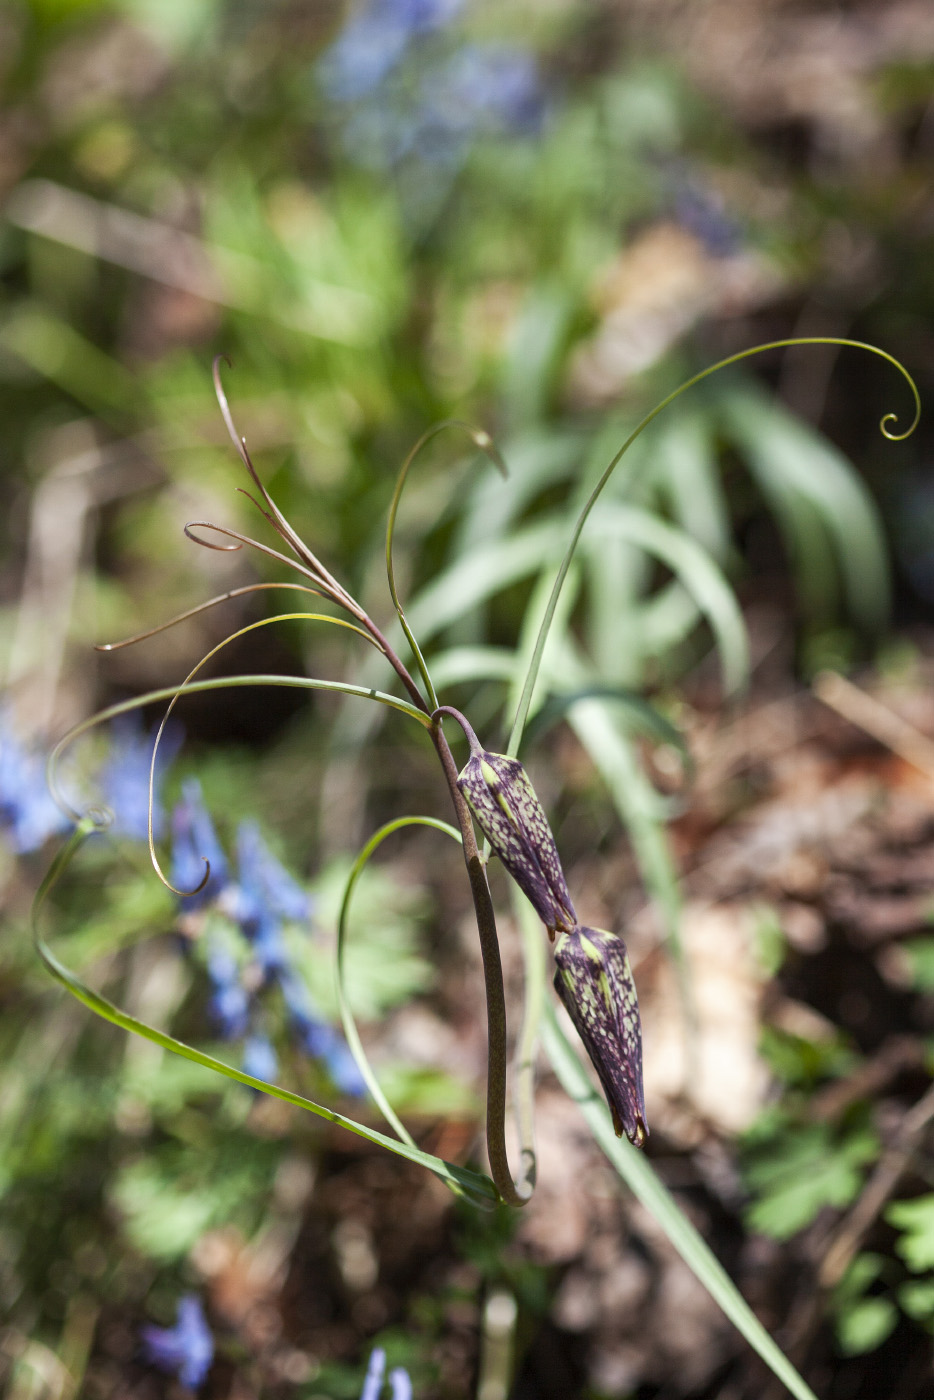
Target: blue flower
[373,1381]
[264,885]
[124,777]
[317,1038]
[364,54]
[374,42]
[194,840]
[28,813]
[264,895]
[399,1381]
[323,1042]
[259,1058]
[229,1005]
[702,211]
[492,86]
[187,1349]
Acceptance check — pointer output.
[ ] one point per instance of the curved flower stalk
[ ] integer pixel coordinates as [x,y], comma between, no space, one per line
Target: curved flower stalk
[477,1186]
[349,1024]
[886,427]
[321,581]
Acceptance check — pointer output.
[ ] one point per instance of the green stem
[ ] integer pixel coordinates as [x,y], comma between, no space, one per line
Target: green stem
[484,442]
[533,957]
[497,1056]
[347,1018]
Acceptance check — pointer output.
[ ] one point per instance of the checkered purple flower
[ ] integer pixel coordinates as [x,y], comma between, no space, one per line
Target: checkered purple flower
[595,983]
[506,807]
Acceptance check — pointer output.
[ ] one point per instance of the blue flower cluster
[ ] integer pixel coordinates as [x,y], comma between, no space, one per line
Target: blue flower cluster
[254,905]
[400,1384]
[700,209]
[124,777]
[185,1350]
[375,40]
[28,814]
[406,94]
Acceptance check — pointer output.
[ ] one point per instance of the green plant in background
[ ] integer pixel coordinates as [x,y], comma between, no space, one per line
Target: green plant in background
[796,1165]
[503,802]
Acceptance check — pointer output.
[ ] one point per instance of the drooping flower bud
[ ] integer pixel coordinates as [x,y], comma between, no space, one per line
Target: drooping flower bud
[502,799]
[594,981]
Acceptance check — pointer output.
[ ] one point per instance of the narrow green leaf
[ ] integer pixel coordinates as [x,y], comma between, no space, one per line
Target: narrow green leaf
[697,571]
[461,1178]
[482,574]
[479,663]
[347,1019]
[637,712]
[537,460]
[638,1174]
[636,801]
[687,474]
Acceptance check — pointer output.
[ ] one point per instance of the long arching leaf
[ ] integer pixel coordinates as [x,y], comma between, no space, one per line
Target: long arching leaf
[461,1178]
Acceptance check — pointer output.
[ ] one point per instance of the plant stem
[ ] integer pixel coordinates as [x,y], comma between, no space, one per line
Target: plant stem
[493,983]
[395,662]
[497,1056]
[466,726]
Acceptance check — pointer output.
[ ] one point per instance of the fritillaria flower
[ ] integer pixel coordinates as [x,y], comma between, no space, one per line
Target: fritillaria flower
[507,810]
[594,981]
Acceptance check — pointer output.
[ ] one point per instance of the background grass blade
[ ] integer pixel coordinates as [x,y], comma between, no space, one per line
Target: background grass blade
[636,1171]
[829,520]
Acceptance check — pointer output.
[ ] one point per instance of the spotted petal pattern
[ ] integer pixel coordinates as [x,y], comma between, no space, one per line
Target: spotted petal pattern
[594,981]
[510,815]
